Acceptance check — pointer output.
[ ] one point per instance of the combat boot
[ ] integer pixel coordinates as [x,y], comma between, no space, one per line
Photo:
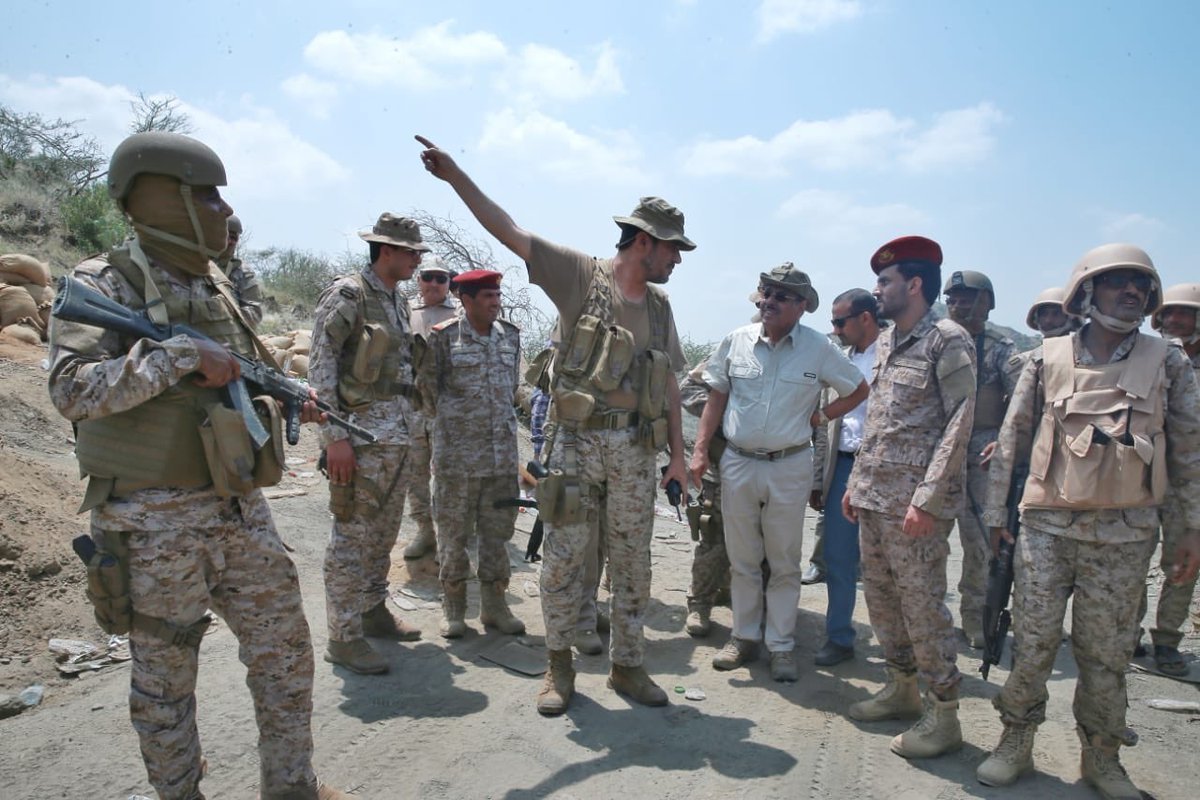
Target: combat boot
[381,623]
[699,619]
[356,655]
[425,542]
[454,609]
[322,791]
[588,643]
[1101,767]
[494,611]
[1011,759]
[558,685]
[936,732]
[899,699]
[634,683]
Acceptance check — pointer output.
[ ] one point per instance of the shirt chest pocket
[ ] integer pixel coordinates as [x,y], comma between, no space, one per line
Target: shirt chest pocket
[467,368]
[910,379]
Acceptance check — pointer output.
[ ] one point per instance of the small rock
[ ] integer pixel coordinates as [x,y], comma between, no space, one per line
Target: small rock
[33,695]
[5,661]
[98,706]
[10,706]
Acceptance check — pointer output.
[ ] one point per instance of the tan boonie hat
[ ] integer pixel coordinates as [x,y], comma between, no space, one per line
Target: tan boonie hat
[398,231]
[660,219]
[786,276]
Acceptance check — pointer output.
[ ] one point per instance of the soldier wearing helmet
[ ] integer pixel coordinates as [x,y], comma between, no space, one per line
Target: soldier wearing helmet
[1176,319]
[188,530]
[1047,317]
[970,299]
[1107,418]
[246,287]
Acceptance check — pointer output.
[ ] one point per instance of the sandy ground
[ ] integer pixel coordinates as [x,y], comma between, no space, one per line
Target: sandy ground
[447,723]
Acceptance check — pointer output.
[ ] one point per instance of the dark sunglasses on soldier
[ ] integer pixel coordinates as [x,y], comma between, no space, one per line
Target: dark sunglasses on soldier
[434,277]
[778,294]
[1120,279]
[840,322]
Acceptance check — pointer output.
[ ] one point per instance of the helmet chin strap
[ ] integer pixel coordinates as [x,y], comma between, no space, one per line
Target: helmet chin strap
[199,245]
[1113,324]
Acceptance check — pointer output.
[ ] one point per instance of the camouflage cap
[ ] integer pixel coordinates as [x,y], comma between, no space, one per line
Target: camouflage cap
[787,277]
[659,219]
[394,230]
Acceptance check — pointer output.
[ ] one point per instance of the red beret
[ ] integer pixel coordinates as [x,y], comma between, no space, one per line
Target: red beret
[907,248]
[483,278]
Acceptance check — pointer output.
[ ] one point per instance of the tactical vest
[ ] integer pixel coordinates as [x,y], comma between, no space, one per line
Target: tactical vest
[1100,442]
[157,443]
[989,406]
[597,369]
[378,363]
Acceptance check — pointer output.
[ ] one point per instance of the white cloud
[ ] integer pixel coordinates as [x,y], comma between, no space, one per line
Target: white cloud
[262,156]
[431,58]
[835,217]
[552,146]
[313,94]
[1130,227]
[874,139]
[543,72]
[777,17]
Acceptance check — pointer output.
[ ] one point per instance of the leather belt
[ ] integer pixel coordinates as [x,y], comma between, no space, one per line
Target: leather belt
[612,421]
[769,455]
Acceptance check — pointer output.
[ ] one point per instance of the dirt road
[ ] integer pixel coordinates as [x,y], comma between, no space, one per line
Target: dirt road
[447,723]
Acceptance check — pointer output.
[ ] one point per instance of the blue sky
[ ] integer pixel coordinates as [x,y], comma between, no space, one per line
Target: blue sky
[1018,134]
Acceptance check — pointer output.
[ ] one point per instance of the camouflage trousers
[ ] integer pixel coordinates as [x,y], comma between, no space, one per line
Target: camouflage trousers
[618,508]
[1173,598]
[904,583]
[420,454]
[465,514]
[710,562]
[359,555]
[977,551]
[593,569]
[1106,581]
[224,555]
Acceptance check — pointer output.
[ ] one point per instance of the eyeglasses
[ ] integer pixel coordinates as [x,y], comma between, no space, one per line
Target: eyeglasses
[434,277]
[840,322]
[778,294]
[1120,279]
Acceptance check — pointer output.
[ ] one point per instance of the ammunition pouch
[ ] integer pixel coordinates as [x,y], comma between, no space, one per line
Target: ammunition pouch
[270,460]
[108,586]
[228,450]
[615,357]
[538,372]
[652,384]
[577,360]
[653,433]
[572,407]
[559,498]
[373,342]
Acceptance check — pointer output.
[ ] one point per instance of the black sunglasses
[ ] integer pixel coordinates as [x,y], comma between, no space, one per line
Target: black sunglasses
[434,277]
[778,294]
[1119,280]
[840,322]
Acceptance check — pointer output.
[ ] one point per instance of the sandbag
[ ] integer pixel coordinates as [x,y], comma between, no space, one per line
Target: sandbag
[22,333]
[301,342]
[279,342]
[299,366]
[45,304]
[16,303]
[27,267]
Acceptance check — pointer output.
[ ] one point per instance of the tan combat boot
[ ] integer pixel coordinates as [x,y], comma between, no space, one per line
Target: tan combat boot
[425,542]
[356,655]
[454,609]
[381,623]
[899,699]
[1101,767]
[558,685]
[1011,759]
[588,643]
[699,619]
[322,791]
[634,683]
[494,611]
[936,732]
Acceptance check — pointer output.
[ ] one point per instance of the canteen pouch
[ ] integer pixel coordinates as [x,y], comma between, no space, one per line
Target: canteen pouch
[268,463]
[652,388]
[538,373]
[572,407]
[373,343]
[653,433]
[108,587]
[228,450]
[558,498]
[694,512]
[616,357]
[578,357]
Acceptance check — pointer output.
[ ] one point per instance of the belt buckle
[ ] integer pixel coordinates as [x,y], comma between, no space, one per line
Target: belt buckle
[773,455]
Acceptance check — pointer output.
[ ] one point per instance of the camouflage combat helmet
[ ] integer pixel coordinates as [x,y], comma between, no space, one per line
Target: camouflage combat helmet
[1047,297]
[234,224]
[970,279]
[1106,258]
[1182,294]
[160,153]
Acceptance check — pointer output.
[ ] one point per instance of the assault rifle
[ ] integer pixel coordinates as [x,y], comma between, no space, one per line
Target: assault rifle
[76,302]
[996,616]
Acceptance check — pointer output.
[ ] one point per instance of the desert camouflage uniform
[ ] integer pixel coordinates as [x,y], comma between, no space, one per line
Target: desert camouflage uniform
[1098,557]
[246,288]
[914,453]
[710,563]
[1000,366]
[420,452]
[358,557]
[471,381]
[191,550]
